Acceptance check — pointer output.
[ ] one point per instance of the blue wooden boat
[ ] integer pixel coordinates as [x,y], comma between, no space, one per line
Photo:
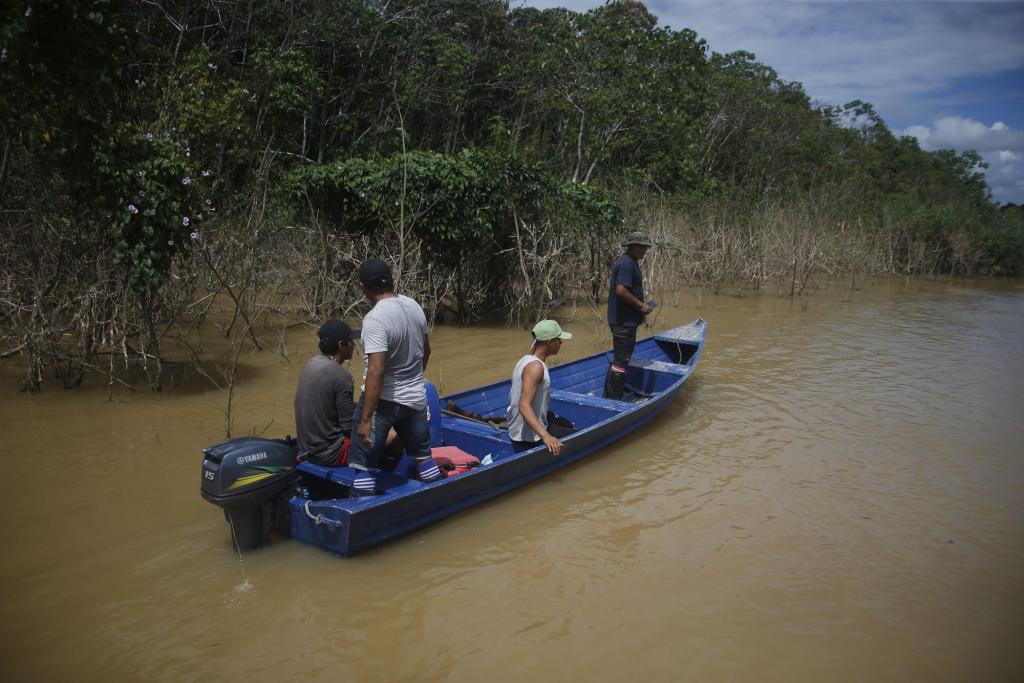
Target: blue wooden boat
[312,503]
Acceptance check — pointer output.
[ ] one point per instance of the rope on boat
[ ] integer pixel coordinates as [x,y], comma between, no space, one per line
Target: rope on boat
[319,519]
[679,343]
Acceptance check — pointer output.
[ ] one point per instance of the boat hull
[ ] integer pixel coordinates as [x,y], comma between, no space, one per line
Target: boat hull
[346,526]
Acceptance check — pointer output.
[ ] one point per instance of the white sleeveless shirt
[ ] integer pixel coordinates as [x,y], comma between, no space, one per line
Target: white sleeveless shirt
[518,430]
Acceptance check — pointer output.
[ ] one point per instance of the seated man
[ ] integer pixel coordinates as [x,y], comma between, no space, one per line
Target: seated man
[323,399]
[527,413]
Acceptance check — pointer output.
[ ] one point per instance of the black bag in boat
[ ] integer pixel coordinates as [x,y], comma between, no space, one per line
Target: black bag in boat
[558,426]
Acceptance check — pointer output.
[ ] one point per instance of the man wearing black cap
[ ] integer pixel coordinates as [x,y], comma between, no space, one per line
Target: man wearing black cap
[626,310]
[396,347]
[323,400]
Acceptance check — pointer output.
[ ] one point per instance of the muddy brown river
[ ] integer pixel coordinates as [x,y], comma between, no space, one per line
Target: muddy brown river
[837,495]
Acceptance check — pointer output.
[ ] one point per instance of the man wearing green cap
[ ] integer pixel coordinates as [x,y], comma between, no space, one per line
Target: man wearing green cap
[626,310]
[527,412]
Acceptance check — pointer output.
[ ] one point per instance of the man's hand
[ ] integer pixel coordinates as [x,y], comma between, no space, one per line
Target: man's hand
[553,444]
[363,431]
[645,309]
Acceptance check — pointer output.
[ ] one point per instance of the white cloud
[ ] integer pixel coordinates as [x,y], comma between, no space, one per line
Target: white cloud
[919,132]
[1001,146]
[955,132]
[1005,176]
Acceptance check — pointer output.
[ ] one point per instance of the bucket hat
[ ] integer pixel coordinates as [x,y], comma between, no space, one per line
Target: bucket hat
[637,237]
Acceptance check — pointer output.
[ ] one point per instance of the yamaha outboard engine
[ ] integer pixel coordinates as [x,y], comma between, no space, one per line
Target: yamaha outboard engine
[252,479]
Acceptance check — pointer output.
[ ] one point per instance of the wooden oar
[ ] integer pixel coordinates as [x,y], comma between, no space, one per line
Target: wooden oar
[451,413]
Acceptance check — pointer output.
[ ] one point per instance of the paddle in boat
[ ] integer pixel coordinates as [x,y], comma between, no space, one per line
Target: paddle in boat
[260,486]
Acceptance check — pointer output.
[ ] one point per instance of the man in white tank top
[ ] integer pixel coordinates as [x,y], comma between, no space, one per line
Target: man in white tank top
[527,411]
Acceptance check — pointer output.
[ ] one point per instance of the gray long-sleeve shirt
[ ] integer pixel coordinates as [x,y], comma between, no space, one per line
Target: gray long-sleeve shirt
[323,405]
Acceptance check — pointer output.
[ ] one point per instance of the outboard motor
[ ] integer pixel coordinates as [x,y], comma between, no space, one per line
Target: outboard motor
[252,479]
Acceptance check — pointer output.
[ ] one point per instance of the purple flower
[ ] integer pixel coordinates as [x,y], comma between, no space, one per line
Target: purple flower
[142,193]
[28,12]
[170,243]
[194,236]
[184,221]
[206,174]
[210,65]
[188,152]
[186,181]
[149,137]
[133,208]
[208,202]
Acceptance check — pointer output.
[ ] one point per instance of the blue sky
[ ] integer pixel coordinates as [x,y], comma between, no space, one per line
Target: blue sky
[949,73]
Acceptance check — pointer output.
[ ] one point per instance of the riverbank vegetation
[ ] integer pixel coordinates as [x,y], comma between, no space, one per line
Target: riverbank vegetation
[168,163]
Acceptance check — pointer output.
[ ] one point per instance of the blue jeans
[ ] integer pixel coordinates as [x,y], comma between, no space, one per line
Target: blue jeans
[409,423]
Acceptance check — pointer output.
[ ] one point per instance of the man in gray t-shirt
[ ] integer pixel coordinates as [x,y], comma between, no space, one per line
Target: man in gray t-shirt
[397,326]
[323,399]
[397,348]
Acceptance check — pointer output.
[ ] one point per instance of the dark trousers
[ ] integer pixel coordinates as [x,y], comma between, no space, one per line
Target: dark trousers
[558,427]
[623,341]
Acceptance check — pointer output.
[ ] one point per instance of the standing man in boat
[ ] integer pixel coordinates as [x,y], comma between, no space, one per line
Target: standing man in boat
[396,347]
[626,310]
[323,399]
[527,412]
